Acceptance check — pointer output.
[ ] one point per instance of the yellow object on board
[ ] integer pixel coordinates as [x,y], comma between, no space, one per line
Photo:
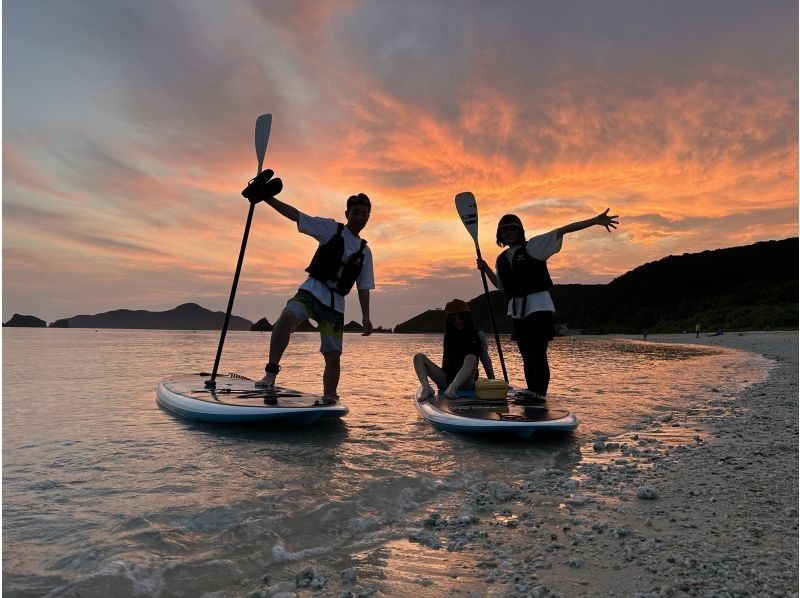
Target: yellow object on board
[491,389]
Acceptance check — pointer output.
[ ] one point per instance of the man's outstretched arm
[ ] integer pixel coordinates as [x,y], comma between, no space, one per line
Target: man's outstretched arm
[284,209]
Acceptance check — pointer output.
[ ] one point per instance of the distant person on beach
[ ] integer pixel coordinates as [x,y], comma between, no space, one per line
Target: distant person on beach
[464,346]
[522,274]
[341,261]
[697,331]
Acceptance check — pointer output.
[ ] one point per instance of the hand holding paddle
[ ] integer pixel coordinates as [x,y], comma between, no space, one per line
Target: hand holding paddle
[263,187]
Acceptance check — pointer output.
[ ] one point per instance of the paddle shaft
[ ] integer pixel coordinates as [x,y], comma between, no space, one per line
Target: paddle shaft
[491,315]
[211,381]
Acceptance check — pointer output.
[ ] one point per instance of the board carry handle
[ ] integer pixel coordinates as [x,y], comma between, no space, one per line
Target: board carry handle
[467,208]
[263,128]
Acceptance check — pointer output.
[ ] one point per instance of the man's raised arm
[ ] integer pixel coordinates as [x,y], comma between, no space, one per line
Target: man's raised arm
[284,209]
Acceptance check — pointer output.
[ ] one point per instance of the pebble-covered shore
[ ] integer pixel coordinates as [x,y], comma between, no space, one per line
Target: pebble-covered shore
[709,511]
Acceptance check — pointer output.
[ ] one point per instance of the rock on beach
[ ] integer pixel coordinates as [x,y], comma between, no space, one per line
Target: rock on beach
[637,516]
[716,516]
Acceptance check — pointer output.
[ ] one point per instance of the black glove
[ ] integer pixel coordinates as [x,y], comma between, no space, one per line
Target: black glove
[272,188]
[262,187]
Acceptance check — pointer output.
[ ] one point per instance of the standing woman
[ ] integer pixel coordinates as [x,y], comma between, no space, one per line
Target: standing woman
[522,274]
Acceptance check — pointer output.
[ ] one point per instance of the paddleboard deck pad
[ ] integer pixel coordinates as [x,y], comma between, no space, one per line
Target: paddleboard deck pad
[468,413]
[236,399]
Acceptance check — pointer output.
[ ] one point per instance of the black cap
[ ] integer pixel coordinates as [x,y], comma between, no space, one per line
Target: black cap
[509,220]
[361,198]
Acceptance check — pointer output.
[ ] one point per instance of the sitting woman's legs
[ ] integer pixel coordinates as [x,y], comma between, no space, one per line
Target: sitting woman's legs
[425,368]
[464,377]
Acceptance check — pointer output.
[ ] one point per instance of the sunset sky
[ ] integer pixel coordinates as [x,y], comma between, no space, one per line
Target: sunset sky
[128,136]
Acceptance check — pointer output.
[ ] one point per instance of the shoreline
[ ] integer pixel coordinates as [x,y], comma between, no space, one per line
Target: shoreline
[716,517]
[695,501]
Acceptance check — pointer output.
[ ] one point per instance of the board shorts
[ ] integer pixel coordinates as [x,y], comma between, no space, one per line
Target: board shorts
[538,325]
[330,322]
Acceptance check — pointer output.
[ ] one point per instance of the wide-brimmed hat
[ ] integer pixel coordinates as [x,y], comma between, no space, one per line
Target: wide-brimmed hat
[456,306]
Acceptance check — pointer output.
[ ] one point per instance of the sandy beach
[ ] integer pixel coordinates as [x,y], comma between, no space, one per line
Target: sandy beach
[699,502]
[713,514]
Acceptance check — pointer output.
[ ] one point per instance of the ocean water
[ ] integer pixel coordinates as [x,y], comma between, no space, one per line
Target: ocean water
[105,493]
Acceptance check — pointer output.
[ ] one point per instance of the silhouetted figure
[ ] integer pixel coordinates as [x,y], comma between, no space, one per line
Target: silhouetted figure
[464,346]
[341,261]
[522,274]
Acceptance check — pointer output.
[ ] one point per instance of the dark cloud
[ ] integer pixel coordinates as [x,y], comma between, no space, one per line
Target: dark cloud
[172,82]
[424,51]
[740,220]
[583,81]
[91,165]
[65,229]
[15,213]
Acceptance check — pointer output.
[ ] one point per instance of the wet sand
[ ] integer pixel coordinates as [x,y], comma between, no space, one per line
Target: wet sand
[701,502]
[716,516]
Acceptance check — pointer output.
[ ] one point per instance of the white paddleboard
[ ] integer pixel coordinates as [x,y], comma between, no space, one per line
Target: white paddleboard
[470,414]
[236,399]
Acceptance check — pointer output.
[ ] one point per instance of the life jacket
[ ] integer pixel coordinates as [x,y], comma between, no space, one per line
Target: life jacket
[456,348]
[327,262]
[523,275]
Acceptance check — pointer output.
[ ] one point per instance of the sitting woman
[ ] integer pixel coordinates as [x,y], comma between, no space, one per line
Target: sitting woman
[464,345]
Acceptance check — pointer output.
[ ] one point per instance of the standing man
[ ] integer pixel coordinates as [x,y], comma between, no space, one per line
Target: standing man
[341,261]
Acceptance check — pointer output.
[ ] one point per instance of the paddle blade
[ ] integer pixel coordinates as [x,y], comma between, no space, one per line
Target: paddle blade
[263,127]
[467,209]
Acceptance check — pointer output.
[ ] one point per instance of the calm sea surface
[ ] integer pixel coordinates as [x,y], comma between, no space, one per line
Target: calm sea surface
[105,493]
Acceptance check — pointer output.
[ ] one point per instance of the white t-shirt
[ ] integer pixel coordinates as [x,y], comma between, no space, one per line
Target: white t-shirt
[540,247]
[323,229]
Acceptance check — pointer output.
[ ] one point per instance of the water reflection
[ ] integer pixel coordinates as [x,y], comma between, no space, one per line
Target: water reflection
[117,495]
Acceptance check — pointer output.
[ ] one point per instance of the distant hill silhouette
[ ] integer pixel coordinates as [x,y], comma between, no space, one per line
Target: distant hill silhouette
[353,326]
[21,321]
[188,316]
[262,325]
[565,296]
[740,288]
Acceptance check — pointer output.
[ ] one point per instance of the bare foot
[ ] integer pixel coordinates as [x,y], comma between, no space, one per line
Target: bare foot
[426,393]
[268,382]
[451,393]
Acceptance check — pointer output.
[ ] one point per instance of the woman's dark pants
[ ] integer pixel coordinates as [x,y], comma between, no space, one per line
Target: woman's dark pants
[533,334]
